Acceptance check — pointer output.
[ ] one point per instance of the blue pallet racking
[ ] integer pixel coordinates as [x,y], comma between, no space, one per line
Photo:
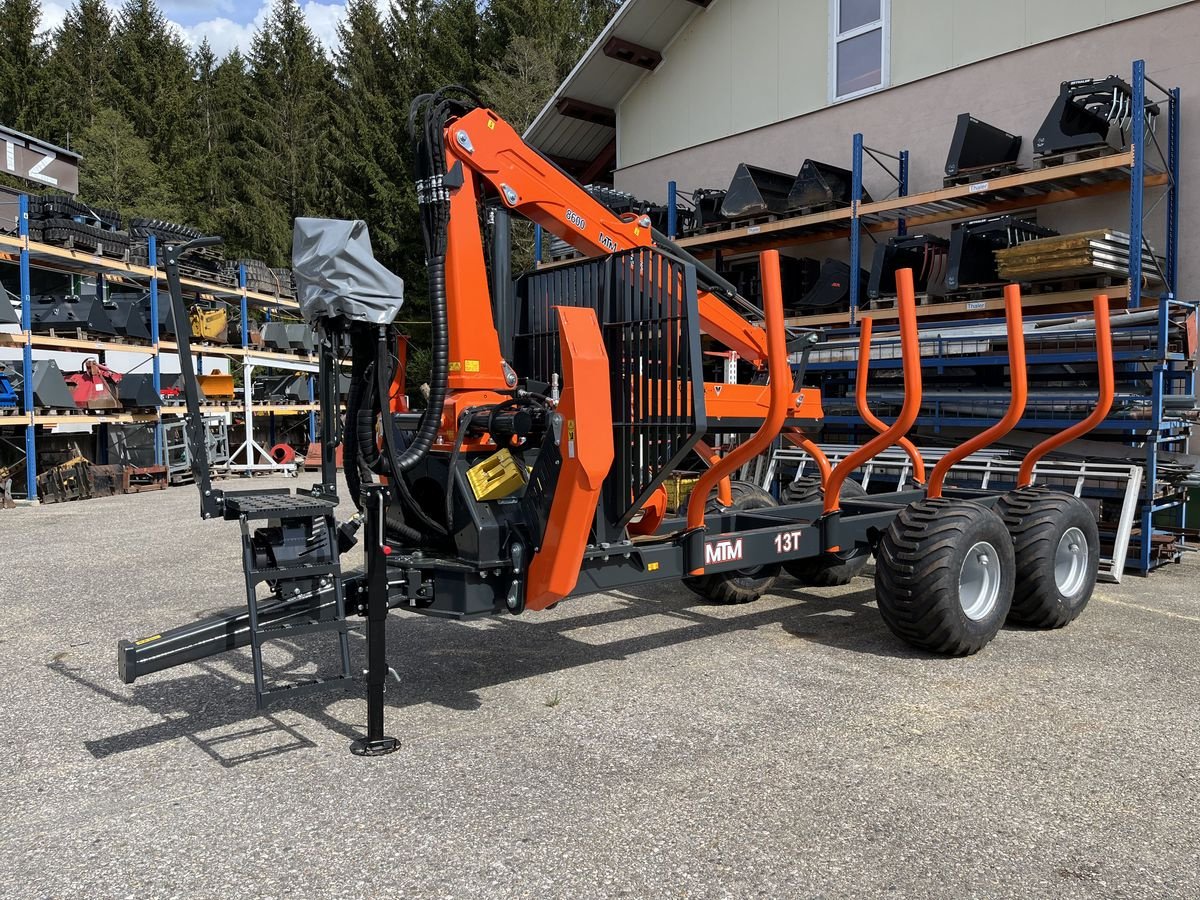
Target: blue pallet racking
[1151,373]
[29,254]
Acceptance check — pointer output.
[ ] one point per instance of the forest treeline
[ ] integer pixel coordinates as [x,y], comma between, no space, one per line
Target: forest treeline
[286,127]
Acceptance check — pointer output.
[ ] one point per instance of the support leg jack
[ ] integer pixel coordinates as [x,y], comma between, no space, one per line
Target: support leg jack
[376,743]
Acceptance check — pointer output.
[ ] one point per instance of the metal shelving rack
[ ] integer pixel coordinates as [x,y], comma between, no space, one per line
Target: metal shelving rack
[28,254]
[1152,372]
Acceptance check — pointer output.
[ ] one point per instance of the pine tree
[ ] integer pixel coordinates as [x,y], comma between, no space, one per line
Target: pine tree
[118,171]
[79,75]
[561,29]
[154,83]
[22,55]
[369,123]
[289,167]
[452,54]
[215,140]
[520,82]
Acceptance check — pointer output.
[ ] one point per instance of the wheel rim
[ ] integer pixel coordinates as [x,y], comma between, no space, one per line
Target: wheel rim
[1071,562]
[979,581]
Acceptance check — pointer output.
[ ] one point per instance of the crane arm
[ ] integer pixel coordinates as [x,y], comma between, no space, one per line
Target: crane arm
[532,186]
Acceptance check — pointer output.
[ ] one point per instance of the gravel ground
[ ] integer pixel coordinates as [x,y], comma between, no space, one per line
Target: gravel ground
[619,746]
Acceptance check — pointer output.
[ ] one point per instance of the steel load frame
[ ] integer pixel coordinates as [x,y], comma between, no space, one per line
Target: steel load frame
[29,254]
[1152,160]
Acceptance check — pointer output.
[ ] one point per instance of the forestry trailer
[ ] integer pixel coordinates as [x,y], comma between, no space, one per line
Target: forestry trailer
[558,406]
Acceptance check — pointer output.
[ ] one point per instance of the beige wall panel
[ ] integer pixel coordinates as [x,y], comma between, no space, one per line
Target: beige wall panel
[983,28]
[803,42]
[754,63]
[1049,19]
[922,38]
[1123,9]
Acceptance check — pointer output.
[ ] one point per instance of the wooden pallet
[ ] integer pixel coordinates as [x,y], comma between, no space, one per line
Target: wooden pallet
[1074,156]
[980,173]
[893,302]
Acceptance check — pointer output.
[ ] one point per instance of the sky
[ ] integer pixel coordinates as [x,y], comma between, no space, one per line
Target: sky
[226,23]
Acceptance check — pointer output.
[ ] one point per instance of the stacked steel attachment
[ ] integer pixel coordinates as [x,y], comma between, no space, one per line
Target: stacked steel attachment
[980,150]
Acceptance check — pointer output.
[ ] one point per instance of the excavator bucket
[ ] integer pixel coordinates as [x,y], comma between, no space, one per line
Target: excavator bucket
[821,186]
[275,336]
[68,314]
[50,389]
[831,292]
[217,385]
[1089,113]
[976,145]
[756,191]
[130,315]
[128,301]
[9,315]
[925,254]
[289,388]
[210,324]
[136,391]
[300,336]
[973,247]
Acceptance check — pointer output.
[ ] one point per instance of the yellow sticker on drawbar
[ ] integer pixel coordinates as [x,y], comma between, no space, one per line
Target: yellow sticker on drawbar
[651,567]
[146,640]
[455,367]
[472,365]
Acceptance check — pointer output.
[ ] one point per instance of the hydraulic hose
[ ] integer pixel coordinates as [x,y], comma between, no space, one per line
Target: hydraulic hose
[431,422]
[350,447]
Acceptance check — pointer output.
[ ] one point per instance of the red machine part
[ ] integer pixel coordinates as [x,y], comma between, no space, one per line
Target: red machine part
[284,454]
[93,388]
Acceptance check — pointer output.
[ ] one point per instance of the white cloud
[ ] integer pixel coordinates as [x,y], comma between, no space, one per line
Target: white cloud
[222,32]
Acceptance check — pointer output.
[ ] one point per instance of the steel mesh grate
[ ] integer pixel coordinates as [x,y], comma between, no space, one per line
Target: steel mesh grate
[645,302]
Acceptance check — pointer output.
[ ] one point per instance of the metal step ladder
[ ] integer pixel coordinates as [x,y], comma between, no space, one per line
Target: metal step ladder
[295,551]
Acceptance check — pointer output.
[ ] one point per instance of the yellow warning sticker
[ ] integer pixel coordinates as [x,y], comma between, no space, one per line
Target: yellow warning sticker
[491,124]
[472,365]
[455,367]
[651,567]
[147,640]
[570,429]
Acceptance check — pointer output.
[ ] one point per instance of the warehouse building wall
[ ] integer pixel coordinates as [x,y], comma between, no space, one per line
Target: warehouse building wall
[1013,91]
[744,64]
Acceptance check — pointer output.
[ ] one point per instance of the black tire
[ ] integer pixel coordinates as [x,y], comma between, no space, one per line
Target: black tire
[740,585]
[829,569]
[1039,521]
[918,570]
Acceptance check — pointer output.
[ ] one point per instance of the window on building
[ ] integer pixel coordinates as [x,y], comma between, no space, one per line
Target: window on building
[858,47]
